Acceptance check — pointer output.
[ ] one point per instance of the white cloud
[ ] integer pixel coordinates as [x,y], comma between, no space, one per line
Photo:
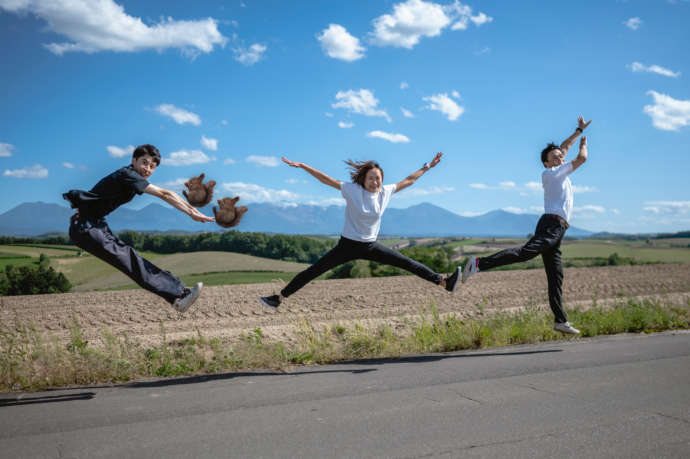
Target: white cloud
[415,191]
[249,56]
[339,44]
[186,158]
[578,210]
[117,152]
[479,186]
[404,85]
[292,181]
[638,67]
[455,94]
[328,114]
[667,113]
[507,185]
[36,171]
[209,144]
[94,26]
[633,23]
[229,161]
[412,20]
[264,161]
[345,125]
[470,214]
[484,50]
[584,189]
[250,192]
[224,122]
[180,115]
[327,202]
[533,186]
[68,165]
[406,113]
[6,150]
[361,102]
[395,138]
[515,210]
[668,207]
[175,185]
[616,211]
[445,105]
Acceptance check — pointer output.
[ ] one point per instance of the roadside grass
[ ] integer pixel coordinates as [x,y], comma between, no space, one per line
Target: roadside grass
[30,361]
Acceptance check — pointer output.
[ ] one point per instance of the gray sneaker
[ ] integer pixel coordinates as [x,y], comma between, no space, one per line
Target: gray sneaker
[470,269]
[565,327]
[188,298]
[452,280]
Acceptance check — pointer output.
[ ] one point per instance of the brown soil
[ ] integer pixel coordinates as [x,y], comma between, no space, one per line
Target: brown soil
[232,310]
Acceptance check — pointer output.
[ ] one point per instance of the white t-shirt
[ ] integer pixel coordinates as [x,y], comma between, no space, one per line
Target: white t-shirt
[558,191]
[363,210]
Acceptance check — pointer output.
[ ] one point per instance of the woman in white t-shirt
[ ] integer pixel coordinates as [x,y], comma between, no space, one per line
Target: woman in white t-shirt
[366,199]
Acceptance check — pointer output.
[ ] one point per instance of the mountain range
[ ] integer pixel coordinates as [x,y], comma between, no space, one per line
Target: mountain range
[37,218]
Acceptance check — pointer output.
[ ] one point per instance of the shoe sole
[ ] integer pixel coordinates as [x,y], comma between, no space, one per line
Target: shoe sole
[198,288]
[467,272]
[266,305]
[567,332]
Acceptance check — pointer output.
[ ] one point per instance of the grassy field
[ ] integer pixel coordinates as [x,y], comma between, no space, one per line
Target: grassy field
[588,249]
[35,250]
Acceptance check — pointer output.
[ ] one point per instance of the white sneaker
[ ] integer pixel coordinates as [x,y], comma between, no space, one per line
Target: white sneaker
[470,269]
[188,298]
[565,327]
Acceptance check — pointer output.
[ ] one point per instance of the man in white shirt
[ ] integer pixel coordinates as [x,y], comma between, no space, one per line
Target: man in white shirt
[558,206]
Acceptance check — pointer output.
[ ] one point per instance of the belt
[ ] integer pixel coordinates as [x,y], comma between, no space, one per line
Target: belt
[560,219]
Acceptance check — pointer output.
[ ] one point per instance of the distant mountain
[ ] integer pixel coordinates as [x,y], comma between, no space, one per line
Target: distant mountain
[32,219]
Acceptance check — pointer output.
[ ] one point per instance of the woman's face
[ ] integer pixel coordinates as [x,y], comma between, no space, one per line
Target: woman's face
[373,180]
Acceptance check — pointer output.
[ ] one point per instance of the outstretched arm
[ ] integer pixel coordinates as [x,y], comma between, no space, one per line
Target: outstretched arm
[567,143]
[410,179]
[582,155]
[177,202]
[320,176]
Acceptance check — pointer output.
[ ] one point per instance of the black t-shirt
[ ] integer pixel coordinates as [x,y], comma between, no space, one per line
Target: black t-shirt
[109,193]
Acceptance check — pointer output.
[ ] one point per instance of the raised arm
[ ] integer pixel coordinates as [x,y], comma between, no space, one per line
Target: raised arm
[410,179]
[582,155]
[177,202]
[320,176]
[567,143]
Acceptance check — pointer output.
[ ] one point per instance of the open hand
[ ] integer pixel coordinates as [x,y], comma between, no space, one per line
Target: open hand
[199,217]
[581,123]
[292,163]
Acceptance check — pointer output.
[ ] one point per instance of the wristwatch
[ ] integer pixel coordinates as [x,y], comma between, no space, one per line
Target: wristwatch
[426,166]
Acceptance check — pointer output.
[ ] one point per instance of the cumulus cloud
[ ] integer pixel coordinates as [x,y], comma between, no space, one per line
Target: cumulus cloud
[209,144]
[175,185]
[412,20]
[94,26]
[263,161]
[36,172]
[404,85]
[251,192]
[68,165]
[180,115]
[186,158]
[395,138]
[6,150]
[633,23]
[339,44]
[361,102]
[249,56]
[406,113]
[667,113]
[415,191]
[668,207]
[117,152]
[638,67]
[533,186]
[445,105]
[579,210]
[345,125]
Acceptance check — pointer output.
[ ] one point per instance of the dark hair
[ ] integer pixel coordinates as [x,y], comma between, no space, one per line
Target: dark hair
[545,151]
[360,169]
[147,149]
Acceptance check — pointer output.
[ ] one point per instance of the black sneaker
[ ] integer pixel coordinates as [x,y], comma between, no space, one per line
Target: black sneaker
[271,302]
[452,280]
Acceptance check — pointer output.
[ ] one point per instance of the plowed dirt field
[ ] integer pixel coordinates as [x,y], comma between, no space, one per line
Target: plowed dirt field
[229,311]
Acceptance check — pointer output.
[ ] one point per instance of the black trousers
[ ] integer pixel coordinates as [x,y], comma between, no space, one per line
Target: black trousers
[547,242]
[348,250]
[95,237]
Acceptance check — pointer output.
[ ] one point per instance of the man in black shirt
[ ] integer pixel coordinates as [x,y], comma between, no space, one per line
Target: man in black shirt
[89,230]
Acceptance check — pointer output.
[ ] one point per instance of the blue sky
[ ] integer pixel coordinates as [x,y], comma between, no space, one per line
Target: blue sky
[228,87]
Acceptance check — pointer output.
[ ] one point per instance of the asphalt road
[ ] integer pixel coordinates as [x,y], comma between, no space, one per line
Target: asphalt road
[622,396]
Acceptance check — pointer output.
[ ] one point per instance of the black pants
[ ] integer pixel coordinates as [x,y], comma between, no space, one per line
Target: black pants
[547,242]
[348,250]
[96,238]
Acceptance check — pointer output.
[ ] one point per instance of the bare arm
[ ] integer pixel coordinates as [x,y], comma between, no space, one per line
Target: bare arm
[320,176]
[582,155]
[177,202]
[410,179]
[567,143]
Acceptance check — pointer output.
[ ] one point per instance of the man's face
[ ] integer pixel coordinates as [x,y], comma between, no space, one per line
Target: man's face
[554,158]
[373,179]
[144,165]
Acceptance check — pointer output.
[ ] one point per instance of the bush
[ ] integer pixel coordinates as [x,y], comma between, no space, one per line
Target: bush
[31,280]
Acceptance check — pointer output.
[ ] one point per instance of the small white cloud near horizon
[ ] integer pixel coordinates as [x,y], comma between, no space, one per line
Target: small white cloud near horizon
[117,152]
[415,191]
[6,150]
[394,138]
[337,43]
[34,172]
[229,161]
[480,19]
[470,213]
[579,210]
[209,144]
[633,23]
[263,161]
[444,104]
[251,192]
[667,113]
[68,165]
[667,207]
[584,189]
[639,67]
[361,102]
[345,125]
[179,115]
[406,113]
[249,56]
[186,158]
[103,25]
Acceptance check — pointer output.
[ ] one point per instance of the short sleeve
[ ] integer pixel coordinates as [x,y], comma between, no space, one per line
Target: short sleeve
[557,173]
[133,180]
[346,189]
